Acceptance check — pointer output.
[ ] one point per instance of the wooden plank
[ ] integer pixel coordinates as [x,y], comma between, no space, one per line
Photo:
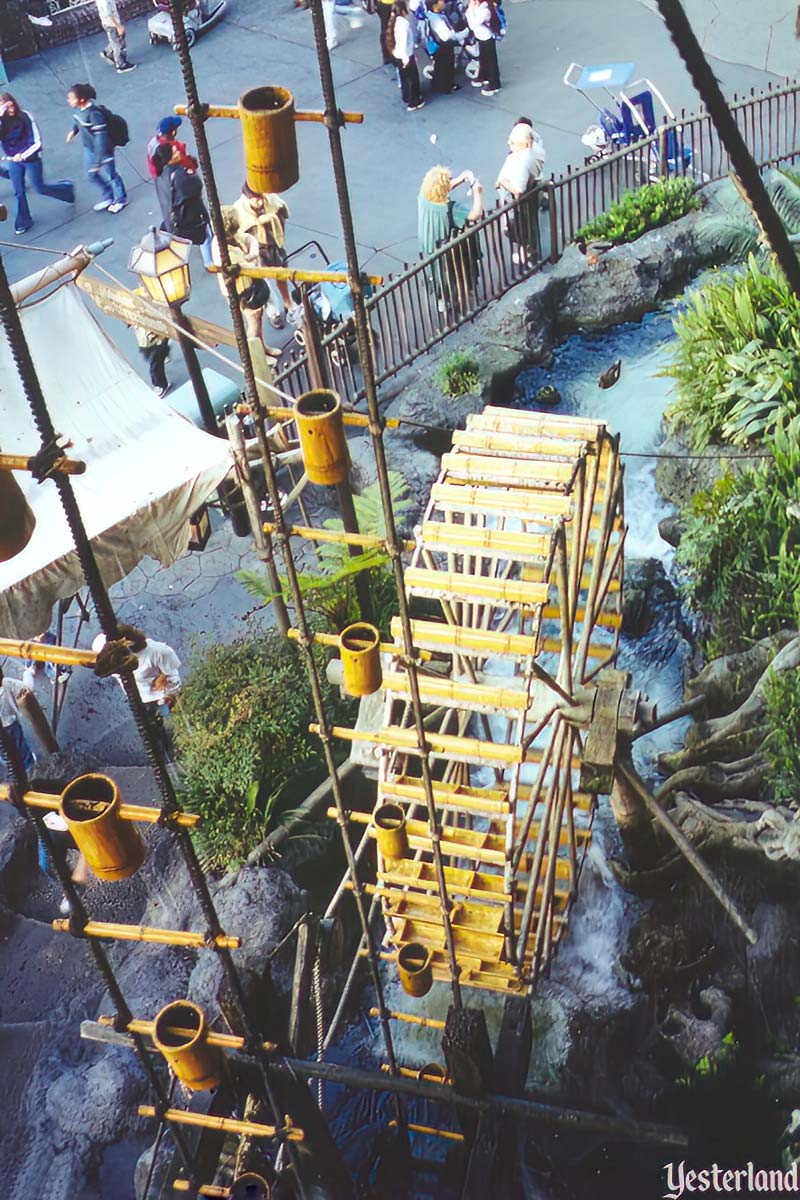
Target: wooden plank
[133,310]
[475,697]
[523,422]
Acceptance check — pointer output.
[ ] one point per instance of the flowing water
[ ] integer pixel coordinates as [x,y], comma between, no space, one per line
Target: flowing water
[586,965]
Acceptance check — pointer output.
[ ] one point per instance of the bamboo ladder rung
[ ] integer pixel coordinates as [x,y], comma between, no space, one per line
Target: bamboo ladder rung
[443,745]
[524,473]
[499,501]
[147,933]
[529,574]
[476,697]
[609,620]
[455,585]
[487,543]
[447,638]
[519,421]
[537,445]
[414,873]
[467,799]
[180,1116]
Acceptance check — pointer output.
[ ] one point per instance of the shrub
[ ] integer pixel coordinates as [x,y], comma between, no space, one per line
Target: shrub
[739,549]
[649,207]
[782,744]
[330,593]
[737,359]
[241,732]
[458,373]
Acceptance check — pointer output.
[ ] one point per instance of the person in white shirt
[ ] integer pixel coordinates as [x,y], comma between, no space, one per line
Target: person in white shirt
[116,52]
[400,43]
[10,692]
[520,171]
[157,673]
[485,24]
[444,58]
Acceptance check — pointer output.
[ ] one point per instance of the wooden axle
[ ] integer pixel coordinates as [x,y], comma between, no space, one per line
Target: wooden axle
[180,1116]
[427,1022]
[40,652]
[146,933]
[128,812]
[22,462]
[290,275]
[226,1041]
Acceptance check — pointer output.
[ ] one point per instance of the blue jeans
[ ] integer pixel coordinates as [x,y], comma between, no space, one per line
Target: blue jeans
[14,730]
[106,178]
[64,189]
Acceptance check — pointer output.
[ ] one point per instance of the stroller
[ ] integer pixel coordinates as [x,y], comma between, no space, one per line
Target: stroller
[466,51]
[332,304]
[196,19]
[633,118]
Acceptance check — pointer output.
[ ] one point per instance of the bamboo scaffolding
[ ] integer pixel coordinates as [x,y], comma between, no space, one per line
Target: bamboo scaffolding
[128,812]
[180,1116]
[146,933]
[431,1131]
[412,1019]
[41,652]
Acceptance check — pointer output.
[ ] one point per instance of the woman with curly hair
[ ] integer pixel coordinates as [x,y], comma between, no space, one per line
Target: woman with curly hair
[400,44]
[439,219]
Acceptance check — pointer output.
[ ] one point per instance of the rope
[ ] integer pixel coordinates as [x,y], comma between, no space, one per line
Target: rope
[319,1013]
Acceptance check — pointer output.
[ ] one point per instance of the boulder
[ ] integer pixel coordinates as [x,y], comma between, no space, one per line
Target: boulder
[647,596]
[679,478]
[96,1101]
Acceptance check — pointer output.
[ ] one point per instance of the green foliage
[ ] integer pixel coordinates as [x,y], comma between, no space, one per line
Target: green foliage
[782,744]
[245,752]
[649,207]
[737,359]
[739,549]
[330,593]
[458,374]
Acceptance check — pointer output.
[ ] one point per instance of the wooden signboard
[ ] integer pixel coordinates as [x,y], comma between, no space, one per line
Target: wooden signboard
[130,308]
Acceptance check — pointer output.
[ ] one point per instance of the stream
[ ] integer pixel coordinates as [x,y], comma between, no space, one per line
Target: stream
[586,968]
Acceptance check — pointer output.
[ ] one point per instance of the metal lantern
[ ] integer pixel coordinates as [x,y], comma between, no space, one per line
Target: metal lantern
[17,521]
[161,261]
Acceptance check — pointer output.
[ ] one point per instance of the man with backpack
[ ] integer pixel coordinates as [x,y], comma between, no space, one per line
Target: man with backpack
[101,131]
[116,52]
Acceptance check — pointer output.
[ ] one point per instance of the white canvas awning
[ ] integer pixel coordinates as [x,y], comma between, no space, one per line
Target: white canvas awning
[147,468]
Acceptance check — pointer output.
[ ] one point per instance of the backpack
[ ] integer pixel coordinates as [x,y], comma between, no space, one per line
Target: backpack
[117,126]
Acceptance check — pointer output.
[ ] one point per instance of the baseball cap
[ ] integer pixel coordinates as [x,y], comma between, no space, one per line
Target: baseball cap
[168,125]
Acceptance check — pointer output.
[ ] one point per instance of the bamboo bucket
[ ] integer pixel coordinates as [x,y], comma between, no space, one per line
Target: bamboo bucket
[112,847]
[414,968]
[270,138]
[322,441]
[390,831]
[196,1064]
[360,648]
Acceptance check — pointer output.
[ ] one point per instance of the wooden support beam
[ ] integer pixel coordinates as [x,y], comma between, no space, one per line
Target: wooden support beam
[487,543]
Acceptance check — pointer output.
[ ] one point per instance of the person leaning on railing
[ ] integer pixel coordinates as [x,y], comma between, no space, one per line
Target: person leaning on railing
[440,218]
[521,170]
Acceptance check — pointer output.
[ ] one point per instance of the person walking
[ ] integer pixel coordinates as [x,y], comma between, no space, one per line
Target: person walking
[154,349]
[264,216]
[90,121]
[521,169]
[444,56]
[10,692]
[400,41]
[21,144]
[166,134]
[187,216]
[384,10]
[116,52]
[484,22]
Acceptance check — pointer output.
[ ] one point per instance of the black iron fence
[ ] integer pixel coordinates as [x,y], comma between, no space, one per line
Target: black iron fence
[412,311]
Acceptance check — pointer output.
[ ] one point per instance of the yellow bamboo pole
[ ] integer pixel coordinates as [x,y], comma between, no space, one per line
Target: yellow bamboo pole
[22,462]
[147,933]
[410,1019]
[205,1189]
[40,652]
[448,1134]
[180,1116]
[128,812]
[455,694]
[435,635]
[536,445]
[440,743]
[226,1041]
[489,543]
[232,111]
[293,276]
[410,1073]
[525,473]
[332,639]
[454,585]
[337,537]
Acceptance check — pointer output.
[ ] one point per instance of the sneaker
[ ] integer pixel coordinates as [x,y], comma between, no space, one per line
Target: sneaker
[101,205]
[64,907]
[25,228]
[161,392]
[333,45]
[414,107]
[39,20]
[275,318]
[117,206]
[476,83]
[455,87]
[126,67]
[108,56]
[489,91]
[295,314]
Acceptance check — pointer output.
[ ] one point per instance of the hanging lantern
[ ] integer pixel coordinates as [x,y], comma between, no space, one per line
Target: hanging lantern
[270,139]
[17,521]
[111,846]
[322,441]
[179,1032]
[161,260]
[390,831]
[414,968]
[360,648]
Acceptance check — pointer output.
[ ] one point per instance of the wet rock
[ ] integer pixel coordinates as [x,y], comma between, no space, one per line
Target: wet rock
[670,529]
[679,478]
[772,970]
[647,596]
[694,1037]
[426,405]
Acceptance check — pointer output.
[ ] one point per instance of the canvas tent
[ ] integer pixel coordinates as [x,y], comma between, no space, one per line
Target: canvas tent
[147,468]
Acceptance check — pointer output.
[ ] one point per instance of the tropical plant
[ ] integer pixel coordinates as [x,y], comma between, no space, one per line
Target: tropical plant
[458,374]
[330,593]
[245,752]
[649,207]
[740,549]
[737,357]
[782,743]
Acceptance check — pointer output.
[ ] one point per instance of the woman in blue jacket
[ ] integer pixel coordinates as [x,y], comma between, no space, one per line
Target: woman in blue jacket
[22,161]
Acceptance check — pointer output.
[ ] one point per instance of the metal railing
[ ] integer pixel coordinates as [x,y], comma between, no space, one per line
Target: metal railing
[414,310]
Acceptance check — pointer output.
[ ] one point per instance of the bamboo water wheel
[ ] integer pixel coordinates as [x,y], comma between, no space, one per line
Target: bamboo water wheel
[515,589]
